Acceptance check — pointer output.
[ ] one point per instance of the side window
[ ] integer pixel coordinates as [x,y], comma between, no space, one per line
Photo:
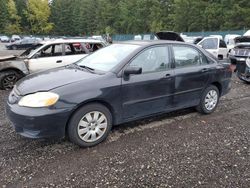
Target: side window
[58,49]
[46,51]
[222,44]
[51,50]
[92,47]
[210,43]
[185,56]
[78,48]
[69,49]
[152,60]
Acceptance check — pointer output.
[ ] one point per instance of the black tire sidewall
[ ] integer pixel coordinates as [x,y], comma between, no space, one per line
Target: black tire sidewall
[74,120]
[5,74]
[203,109]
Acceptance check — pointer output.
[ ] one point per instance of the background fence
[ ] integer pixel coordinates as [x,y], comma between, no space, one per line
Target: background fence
[203,34]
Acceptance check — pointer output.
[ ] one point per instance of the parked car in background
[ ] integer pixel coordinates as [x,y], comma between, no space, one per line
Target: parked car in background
[15,38]
[169,35]
[45,55]
[23,44]
[240,55]
[137,37]
[215,46]
[218,36]
[117,84]
[247,33]
[229,40]
[4,39]
[192,39]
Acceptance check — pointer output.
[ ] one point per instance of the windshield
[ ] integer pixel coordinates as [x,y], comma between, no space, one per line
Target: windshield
[30,50]
[107,58]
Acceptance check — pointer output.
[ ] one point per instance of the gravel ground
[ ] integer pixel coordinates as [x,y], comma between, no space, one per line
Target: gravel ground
[179,149]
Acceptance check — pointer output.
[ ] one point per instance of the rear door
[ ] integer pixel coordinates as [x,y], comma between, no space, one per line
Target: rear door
[73,53]
[192,73]
[152,91]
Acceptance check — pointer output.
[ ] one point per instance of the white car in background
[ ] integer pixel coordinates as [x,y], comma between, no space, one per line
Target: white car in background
[61,52]
[45,55]
[229,40]
[216,46]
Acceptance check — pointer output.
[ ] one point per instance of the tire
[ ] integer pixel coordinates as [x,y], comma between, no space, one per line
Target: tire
[83,125]
[209,100]
[14,48]
[8,79]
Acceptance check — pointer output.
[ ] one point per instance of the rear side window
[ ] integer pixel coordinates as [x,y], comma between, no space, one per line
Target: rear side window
[210,43]
[74,48]
[185,56]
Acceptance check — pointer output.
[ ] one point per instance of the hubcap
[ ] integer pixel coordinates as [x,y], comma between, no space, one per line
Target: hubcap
[9,81]
[92,126]
[211,100]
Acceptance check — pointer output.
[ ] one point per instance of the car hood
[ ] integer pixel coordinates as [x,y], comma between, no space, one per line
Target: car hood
[9,57]
[53,78]
[169,35]
[242,39]
[243,45]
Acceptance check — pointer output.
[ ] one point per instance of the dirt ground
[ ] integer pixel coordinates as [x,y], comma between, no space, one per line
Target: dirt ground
[179,149]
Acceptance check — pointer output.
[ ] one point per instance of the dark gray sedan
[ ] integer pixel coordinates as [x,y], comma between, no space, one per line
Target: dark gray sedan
[116,84]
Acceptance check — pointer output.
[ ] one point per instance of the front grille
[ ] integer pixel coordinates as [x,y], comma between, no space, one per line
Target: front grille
[241,67]
[242,52]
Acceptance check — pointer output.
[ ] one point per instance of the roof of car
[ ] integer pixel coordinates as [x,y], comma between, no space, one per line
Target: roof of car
[151,42]
[56,41]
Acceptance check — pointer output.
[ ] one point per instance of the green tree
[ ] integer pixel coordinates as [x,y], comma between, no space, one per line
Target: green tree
[37,15]
[13,23]
[3,15]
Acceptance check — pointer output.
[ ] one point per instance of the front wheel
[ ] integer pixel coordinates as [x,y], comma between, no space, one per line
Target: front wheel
[209,100]
[8,79]
[90,125]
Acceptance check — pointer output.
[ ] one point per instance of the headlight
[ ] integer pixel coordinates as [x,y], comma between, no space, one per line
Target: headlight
[232,52]
[39,99]
[248,62]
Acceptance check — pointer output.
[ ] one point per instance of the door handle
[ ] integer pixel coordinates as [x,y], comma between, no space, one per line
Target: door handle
[59,61]
[167,75]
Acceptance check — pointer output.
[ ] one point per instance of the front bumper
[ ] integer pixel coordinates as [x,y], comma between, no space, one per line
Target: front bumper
[38,122]
[236,59]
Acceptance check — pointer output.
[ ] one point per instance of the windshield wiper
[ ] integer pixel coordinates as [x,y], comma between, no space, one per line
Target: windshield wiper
[87,68]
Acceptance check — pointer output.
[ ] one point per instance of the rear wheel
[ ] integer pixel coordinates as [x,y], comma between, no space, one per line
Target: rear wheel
[8,79]
[209,100]
[90,125]
[14,47]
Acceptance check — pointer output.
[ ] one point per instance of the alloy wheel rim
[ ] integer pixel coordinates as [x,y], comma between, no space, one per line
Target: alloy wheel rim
[92,126]
[9,81]
[211,100]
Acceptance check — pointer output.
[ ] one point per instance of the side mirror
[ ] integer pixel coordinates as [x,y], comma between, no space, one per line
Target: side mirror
[132,70]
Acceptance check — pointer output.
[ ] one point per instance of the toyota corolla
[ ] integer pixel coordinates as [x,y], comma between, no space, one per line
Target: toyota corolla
[117,84]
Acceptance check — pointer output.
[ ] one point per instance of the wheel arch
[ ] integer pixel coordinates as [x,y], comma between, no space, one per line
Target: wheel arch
[219,87]
[13,69]
[98,101]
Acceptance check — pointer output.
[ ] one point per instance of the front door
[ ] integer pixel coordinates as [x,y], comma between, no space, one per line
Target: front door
[151,91]
[50,56]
